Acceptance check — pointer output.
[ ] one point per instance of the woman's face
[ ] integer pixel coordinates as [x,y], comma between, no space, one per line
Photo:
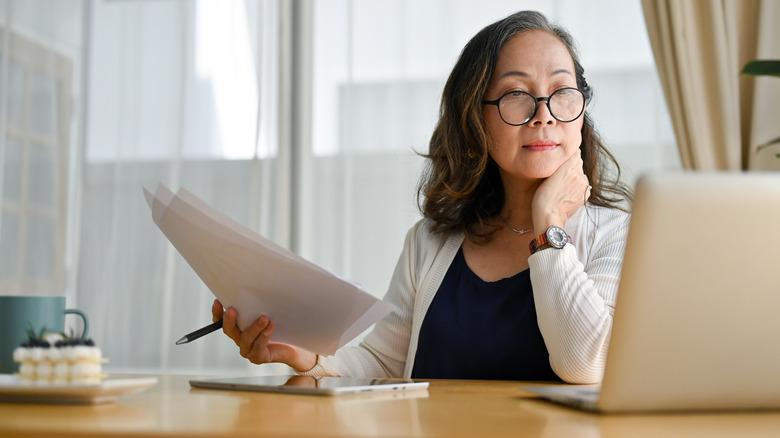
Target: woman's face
[538,63]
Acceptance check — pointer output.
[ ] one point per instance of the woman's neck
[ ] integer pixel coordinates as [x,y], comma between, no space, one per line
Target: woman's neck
[518,198]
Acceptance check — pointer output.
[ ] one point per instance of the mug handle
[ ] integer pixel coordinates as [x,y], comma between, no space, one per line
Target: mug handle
[83,317]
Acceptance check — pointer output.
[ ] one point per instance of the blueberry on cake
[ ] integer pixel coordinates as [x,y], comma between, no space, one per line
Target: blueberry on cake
[54,358]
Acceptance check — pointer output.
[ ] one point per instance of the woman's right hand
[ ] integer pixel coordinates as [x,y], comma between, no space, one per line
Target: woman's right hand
[560,195]
[254,341]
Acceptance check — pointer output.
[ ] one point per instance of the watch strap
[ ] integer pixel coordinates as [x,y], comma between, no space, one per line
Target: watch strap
[541,241]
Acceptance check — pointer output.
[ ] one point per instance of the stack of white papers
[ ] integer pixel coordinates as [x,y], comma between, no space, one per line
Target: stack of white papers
[310,307]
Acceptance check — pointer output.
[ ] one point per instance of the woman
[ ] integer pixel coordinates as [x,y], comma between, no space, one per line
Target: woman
[513,272]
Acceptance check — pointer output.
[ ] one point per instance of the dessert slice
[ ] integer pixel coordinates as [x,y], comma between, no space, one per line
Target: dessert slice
[53,358]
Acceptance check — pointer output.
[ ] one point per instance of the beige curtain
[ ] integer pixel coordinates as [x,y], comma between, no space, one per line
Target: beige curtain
[700,47]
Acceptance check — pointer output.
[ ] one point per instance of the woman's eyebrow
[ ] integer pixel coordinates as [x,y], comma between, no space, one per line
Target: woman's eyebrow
[526,75]
[562,70]
[514,73]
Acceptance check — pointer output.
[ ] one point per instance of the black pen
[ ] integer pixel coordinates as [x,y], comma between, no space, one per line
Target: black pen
[214,326]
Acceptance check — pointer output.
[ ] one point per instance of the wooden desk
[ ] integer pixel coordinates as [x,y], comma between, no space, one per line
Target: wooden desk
[448,409]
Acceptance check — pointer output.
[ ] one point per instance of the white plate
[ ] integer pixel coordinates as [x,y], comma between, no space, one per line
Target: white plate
[106,391]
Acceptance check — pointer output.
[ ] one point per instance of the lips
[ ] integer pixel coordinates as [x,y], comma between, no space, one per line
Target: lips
[540,145]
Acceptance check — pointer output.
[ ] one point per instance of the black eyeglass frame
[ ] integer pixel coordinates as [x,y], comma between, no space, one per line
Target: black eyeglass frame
[536,105]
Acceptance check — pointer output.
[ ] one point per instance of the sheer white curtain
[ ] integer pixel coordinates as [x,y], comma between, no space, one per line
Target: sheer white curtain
[183,93]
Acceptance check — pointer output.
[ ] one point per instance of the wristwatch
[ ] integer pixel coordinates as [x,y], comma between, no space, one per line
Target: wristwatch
[554,237]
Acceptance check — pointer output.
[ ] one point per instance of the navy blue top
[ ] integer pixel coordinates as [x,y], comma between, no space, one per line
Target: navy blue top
[482,330]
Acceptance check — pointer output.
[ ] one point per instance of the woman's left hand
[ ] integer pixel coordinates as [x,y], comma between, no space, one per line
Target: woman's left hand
[254,342]
[560,195]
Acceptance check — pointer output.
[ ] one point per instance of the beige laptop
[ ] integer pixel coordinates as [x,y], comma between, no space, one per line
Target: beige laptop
[697,320]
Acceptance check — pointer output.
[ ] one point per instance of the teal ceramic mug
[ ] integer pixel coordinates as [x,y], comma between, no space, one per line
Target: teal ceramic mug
[18,313]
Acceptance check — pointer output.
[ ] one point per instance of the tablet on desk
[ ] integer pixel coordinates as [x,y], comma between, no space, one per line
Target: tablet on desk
[310,385]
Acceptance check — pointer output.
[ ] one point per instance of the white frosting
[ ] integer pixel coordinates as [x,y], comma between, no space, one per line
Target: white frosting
[61,370]
[27,369]
[21,354]
[53,354]
[44,370]
[83,352]
[36,354]
[85,369]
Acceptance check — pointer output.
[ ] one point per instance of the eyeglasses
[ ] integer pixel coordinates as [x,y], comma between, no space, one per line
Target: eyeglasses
[517,108]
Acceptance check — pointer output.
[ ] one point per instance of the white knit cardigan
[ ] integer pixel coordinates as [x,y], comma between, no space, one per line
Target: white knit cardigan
[574,288]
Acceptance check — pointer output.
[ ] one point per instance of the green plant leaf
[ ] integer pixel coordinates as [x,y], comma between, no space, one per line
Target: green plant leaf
[30,331]
[762,67]
[768,144]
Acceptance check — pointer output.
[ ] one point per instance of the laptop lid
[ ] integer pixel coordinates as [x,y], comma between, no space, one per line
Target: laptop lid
[696,323]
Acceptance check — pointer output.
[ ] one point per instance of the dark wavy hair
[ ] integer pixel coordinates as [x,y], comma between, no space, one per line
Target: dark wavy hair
[460,187]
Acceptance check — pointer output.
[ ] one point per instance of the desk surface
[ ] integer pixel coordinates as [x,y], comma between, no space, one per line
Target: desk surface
[448,409]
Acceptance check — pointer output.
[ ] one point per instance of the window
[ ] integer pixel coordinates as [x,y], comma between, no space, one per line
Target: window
[35,149]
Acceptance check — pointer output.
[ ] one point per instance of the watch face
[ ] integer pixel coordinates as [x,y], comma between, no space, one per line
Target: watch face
[557,237]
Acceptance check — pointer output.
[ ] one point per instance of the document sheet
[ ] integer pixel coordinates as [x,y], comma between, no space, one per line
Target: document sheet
[310,307]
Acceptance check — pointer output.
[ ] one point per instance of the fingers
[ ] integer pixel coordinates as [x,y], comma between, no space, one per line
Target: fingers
[253,341]
[250,336]
[260,352]
[573,168]
[569,177]
[216,311]
[229,326]
[575,182]
[560,195]
[588,191]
